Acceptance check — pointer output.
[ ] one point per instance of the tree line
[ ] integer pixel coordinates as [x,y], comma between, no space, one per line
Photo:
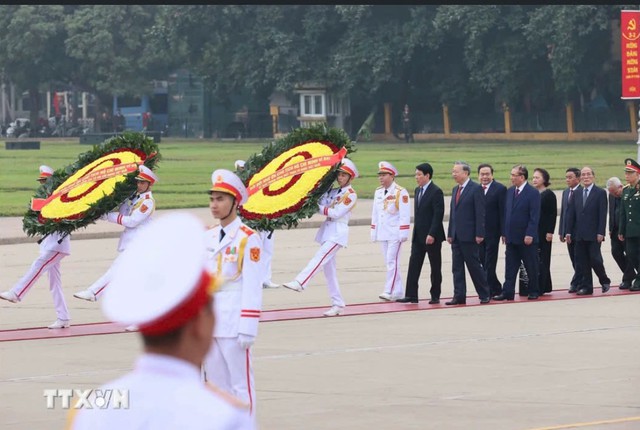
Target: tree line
[531,57]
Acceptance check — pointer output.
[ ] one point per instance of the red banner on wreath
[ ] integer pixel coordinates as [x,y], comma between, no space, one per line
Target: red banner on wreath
[630,38]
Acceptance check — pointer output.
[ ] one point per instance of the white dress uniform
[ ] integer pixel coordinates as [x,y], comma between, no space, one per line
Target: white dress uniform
[336,204]
[165,390]
[236,259]
[166,393]
[266,257]
[53,248]
[390,223]
[133,214]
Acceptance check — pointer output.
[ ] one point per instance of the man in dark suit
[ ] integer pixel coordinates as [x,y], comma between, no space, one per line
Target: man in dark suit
[428,234]
[586,224]
[494,196]
[466,233]
[522,215]
[572,178]
[615,187]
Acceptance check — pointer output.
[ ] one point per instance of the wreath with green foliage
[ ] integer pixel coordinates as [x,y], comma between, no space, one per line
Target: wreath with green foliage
[34,223]
[307,206]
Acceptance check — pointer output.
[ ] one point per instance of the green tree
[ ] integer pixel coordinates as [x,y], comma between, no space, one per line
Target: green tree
[32,49]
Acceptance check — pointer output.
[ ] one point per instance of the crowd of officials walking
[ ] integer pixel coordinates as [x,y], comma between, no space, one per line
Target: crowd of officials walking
[523,217]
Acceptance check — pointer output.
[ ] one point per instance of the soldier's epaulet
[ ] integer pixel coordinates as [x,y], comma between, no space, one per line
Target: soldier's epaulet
[400,187]
[626,186]
[229,398]
[147,196]
[209,227]
[379,188]
[246,230]
[350,190]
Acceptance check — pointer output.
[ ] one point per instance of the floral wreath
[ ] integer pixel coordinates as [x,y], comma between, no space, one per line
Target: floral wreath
[98,182]
[286,180]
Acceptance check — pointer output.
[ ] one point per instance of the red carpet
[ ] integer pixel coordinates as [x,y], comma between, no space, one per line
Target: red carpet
[92,329]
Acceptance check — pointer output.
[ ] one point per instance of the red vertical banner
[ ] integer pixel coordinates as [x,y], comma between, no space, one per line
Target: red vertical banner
[630,37]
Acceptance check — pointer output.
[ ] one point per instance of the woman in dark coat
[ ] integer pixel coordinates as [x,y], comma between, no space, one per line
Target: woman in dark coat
[546,226]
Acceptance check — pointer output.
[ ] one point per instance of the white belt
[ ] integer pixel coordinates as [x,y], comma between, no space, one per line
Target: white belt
[341,220]
[230,286]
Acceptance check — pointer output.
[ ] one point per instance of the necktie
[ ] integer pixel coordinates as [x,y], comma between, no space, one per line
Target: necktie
[585,195]
[458,193]
[385,192]
[570,196]
[517,192]
[420,194]
[484,187]
[222,233]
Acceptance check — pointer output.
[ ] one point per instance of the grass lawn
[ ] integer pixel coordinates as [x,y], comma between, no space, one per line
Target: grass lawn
[186,165]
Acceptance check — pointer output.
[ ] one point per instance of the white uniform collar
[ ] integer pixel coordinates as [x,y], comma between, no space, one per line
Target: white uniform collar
[167,365]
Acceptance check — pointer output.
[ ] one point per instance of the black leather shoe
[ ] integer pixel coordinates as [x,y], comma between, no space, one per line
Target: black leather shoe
[455,301]
[573,289]
[606,287]
[624,286]
[485,301]
[501,297]
[634,288]
[532,297]
[584,292]
[434,301]
[407,300]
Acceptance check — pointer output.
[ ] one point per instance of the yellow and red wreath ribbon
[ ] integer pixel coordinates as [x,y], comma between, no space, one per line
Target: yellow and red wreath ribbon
[88,185]
[284,183]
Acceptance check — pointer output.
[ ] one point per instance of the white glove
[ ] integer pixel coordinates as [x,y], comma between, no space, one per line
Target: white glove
[246,340]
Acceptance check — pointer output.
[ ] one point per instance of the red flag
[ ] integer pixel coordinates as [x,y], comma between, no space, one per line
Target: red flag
[630,32]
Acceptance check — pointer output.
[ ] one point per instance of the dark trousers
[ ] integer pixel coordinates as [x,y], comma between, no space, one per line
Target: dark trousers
[588,257]
[416,260]
[544,257]
[575,279]
[528,255]
[618,253]
[632,246]
[467,253]
[489,259]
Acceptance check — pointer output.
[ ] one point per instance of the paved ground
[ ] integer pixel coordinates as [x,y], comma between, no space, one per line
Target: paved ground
[542,365]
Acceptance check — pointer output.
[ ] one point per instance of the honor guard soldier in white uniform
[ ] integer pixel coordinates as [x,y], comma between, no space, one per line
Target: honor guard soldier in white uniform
[267,244]
[390,222]
[53,248]
[336,205]
[234,255]
[171,302]
[133,214]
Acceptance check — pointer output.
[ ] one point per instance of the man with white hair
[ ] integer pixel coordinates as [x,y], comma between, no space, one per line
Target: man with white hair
[333,235]
[133,214]
[53,248]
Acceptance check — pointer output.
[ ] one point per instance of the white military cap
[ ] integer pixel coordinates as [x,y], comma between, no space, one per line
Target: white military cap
[238,164]
[225,181]
[386,167]
[146,174]
[160,281]
[348,167]
[45,172]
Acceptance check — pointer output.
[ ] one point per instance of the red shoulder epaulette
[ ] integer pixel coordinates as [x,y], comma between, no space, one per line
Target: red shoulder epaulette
[246,230]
